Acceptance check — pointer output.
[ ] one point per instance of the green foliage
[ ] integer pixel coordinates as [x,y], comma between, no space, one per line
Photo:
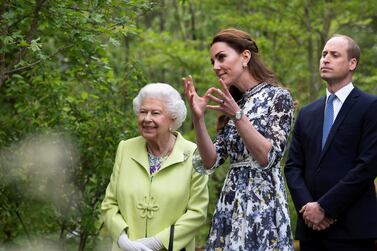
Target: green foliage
[63,113]
[68,73]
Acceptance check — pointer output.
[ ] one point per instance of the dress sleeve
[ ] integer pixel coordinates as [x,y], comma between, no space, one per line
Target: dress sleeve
[114,221]
[221,156]
[279,124]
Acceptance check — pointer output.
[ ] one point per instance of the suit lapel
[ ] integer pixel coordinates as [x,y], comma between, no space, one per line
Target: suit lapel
[346,107]
[319,116]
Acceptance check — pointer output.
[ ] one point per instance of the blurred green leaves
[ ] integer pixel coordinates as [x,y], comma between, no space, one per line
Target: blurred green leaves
[70,69]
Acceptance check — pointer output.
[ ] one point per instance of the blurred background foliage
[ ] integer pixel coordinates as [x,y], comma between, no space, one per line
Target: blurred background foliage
[70,69]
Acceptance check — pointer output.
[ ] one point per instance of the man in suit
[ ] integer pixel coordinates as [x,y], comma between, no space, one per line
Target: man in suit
[332,161]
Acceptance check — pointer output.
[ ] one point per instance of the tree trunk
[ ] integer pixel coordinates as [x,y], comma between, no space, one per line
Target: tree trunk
[162,16]
[192,15]
[83,239]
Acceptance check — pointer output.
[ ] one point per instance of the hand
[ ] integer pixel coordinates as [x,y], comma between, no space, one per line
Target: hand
[227,104]
[153,243]
[197,103]
[127,245]
[314,216]
[312,212]
[327,222]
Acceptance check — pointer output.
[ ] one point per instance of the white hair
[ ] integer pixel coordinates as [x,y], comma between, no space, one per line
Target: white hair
[169,96]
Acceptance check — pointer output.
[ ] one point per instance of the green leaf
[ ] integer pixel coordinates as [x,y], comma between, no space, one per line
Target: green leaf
[34,45]
[84,95]
[23,43]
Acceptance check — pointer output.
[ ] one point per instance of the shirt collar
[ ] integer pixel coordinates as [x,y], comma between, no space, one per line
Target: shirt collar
[342,93]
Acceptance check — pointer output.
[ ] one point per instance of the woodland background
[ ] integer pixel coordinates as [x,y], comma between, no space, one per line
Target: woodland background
[69,70]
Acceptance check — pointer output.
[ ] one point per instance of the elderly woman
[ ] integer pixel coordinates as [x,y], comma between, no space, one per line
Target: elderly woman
[155,198]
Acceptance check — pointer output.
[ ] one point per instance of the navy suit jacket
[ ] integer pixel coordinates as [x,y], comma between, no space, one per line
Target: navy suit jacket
[341,176]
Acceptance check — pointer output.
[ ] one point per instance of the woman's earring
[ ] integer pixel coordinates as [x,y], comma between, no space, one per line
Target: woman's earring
[244,65]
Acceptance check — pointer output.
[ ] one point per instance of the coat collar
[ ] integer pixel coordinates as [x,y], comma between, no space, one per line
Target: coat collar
[179,153]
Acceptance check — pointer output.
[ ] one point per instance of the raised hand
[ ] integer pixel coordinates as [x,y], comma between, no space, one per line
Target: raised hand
[197,104]
[226,103]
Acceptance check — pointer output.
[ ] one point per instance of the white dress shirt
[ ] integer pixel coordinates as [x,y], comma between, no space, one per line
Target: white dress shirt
[341,96]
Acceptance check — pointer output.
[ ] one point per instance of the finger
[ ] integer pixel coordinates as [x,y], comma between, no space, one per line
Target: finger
[213,93]
[141,246]
[331,220]
[185,87]
[216,99]
[217,92]
[307,222]
[214,107]
[328,221]
[184,82]
[189,89]
[224,87]
[302,209]
[315,227]
[189,84]
[321,226]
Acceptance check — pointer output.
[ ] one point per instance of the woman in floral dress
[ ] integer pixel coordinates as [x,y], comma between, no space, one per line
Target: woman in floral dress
[252,211]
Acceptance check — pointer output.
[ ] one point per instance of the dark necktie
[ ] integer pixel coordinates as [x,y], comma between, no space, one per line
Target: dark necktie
[328,119]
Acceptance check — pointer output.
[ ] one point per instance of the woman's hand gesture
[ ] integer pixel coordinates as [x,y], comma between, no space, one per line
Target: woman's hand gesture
[226,103]
[198,104]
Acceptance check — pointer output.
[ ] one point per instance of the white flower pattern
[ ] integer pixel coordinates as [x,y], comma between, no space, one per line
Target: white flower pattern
[252,211]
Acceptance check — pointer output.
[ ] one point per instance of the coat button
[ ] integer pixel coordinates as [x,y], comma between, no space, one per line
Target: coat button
[147,207]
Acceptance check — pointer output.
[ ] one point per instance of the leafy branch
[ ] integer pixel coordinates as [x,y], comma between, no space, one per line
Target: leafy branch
[6,74]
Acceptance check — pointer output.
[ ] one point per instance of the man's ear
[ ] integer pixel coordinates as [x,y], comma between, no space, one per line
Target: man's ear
[353,64]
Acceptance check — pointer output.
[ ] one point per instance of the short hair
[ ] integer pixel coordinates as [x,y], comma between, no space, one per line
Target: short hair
[169,96]
[353,50]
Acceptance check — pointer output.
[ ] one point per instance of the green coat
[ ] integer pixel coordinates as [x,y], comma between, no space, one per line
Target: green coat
[146,205]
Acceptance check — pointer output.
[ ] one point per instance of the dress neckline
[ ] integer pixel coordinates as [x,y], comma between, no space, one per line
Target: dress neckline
[256,88]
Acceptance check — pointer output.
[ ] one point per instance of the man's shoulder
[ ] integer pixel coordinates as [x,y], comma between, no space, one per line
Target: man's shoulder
[313,105]
[369,97]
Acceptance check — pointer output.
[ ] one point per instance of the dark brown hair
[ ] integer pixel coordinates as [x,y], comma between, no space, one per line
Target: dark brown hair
[241,41]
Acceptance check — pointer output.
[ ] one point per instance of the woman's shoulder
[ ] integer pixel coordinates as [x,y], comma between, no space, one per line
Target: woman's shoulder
[132,141]
[278,93]
[184,142]
[277,89]
[270,92]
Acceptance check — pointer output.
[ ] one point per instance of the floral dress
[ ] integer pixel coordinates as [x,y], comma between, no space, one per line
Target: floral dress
[252,211]
[155,162]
